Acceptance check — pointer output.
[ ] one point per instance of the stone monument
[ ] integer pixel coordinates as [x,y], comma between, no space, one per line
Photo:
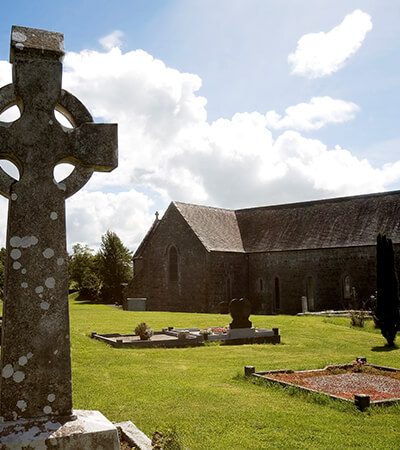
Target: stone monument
[240,311]
[35,385]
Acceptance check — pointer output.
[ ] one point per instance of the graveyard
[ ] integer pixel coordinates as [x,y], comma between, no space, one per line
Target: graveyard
[61,386]
[200,394]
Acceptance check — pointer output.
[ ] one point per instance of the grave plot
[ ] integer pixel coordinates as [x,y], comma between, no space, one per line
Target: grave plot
[363,383]
[162,338]
[192,337]
[235,335]
[240,331]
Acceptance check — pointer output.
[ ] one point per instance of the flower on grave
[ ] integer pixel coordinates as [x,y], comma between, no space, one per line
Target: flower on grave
[218,330]
[206,332]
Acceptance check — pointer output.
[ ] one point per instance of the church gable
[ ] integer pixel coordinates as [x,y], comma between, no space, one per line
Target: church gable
[216,228]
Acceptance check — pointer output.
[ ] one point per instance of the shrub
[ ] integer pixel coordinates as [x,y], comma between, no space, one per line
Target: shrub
[143,331]
[357,318]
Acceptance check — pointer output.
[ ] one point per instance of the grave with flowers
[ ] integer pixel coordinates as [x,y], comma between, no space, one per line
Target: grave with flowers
[239,331]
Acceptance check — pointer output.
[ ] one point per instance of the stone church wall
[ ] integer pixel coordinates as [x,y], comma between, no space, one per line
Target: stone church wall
[325,277]
[188,292]
[228,278]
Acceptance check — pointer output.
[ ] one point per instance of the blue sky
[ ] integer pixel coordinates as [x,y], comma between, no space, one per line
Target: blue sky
[226,103]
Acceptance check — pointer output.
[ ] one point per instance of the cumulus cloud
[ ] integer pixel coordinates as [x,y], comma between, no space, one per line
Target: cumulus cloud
[112,40]
[320,54]
[319,112]
[168,150]
[91,213]
[5,73]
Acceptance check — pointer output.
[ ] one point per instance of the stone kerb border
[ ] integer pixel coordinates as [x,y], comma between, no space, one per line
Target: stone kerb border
[361,401]
[124,340]
[171,338]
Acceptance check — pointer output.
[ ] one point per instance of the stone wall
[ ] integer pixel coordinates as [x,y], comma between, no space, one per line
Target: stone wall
[152,278]
[320,275]
[228,278]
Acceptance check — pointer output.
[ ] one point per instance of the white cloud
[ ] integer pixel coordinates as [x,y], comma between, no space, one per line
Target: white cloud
[320,54]
[90,214]
[112,40]
[5,73]
[319,112]
[169,151]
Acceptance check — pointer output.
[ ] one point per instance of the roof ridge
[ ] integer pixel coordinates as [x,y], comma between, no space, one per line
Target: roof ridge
[203,206]
[321,201]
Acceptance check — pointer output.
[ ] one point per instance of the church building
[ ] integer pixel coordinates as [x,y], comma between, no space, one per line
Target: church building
[197,257]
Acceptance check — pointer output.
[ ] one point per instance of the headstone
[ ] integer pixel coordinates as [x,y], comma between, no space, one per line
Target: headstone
[240,311]
[304,304]
[35,358]
[136,304]
[224,308]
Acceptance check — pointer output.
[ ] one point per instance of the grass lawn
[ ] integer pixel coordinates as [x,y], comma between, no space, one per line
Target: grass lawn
[201,395]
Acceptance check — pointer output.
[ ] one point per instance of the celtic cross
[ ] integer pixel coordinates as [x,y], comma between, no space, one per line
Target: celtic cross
[35,358]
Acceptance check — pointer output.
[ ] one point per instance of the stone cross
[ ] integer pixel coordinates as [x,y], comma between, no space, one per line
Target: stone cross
[35,357]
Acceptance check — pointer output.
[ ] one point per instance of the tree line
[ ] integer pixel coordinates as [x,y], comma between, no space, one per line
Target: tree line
[97,276]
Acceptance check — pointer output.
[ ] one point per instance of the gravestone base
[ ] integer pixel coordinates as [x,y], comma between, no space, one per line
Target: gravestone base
[90,430]
[240,333]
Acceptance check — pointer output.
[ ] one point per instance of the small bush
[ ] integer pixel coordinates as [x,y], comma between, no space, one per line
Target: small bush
[143,331]
[357,318]
[166,440]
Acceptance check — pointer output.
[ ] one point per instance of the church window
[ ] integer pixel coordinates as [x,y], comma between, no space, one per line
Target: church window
[310,293]
[346,287]
[173,264]
[277,296]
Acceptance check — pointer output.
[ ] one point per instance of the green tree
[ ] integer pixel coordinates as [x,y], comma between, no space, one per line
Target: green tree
[2,263]
[83,272]
[115,266]
[387,312]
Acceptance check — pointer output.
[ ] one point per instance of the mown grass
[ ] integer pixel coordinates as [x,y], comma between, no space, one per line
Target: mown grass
[201,394]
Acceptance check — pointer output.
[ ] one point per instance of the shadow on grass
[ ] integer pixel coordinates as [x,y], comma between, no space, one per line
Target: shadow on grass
[385,348]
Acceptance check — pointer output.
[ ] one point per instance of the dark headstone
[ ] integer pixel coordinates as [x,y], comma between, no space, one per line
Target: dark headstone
[224,308]
[240,311]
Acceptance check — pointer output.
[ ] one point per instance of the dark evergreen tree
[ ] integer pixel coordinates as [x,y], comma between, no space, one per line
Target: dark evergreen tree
[387,311]
[115,267]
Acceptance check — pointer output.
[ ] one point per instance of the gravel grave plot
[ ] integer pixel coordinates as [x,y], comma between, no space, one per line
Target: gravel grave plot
[379,384]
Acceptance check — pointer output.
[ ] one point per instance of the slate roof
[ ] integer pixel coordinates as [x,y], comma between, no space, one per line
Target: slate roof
[216,228]
[339,222]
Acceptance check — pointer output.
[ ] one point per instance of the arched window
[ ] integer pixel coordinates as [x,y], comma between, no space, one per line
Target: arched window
[310,293]
[347,287]
[173,264]
[277,295]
